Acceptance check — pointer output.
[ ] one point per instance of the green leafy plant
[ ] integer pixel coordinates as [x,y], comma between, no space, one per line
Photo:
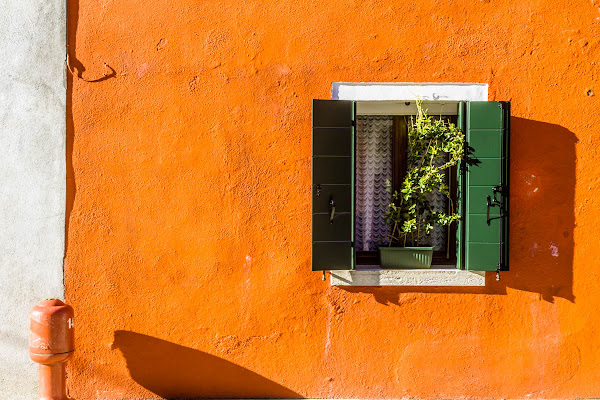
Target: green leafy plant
[434,146]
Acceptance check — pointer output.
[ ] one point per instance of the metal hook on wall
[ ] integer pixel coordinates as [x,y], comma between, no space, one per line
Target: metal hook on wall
[109,72]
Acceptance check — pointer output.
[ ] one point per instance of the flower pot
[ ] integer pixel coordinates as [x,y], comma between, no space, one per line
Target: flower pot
[405,257]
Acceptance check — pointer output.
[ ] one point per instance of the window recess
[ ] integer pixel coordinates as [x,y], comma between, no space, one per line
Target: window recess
[358,145]
[381,156]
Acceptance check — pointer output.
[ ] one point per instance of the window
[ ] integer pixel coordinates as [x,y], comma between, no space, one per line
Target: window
[480,241]
[381,156]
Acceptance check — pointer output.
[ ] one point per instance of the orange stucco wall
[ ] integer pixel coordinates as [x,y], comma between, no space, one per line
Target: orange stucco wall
[188,234]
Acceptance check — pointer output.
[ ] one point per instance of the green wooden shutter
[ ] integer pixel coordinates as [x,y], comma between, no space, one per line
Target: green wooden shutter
[332,185]
[484,194]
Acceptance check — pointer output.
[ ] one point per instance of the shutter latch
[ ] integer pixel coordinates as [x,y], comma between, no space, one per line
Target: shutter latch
[332,205]
[495,203]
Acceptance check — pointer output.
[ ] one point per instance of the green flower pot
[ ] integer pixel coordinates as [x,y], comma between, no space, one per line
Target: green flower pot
[405,257]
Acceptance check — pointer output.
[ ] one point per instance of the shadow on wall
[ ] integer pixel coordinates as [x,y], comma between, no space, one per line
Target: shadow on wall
[72,18]
[173,371]
[542,192]
[76,69]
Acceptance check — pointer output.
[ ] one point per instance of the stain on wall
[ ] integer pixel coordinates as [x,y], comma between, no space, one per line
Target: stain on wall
[189,201]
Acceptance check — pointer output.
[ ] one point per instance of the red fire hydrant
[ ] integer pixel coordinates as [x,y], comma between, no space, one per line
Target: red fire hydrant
[51,343]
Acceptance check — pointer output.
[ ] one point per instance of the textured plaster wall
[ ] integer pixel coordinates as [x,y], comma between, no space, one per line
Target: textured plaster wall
[32,177]
[188,202]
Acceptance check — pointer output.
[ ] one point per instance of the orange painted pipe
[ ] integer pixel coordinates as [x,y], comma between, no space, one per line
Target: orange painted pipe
[51,343]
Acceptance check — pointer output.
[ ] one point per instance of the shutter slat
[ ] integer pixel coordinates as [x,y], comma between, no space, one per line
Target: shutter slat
[332,142]
[332,180]
[332,170]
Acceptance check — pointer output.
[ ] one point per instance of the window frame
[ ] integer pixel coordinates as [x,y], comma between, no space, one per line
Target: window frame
[444,258]
[401,93]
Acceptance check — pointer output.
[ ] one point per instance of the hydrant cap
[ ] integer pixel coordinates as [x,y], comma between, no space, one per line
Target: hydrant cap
[51,330]
[51,303]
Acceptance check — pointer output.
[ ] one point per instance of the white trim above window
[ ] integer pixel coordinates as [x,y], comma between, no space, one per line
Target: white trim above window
[409,91]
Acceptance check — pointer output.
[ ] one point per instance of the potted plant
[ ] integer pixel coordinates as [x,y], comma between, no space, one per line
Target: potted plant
[434,146]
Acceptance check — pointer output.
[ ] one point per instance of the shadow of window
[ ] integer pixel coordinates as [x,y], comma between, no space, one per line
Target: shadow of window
[542,219]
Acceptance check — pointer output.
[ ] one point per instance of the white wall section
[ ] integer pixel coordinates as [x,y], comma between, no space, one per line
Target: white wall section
[32,177]
[409,91]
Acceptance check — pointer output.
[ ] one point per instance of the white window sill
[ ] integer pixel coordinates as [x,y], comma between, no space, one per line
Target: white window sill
[437,276]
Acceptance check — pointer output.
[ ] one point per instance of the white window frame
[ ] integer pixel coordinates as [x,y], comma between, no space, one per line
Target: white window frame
[402,92]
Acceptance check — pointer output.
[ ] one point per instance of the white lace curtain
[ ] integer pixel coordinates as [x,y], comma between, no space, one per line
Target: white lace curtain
[373,167]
